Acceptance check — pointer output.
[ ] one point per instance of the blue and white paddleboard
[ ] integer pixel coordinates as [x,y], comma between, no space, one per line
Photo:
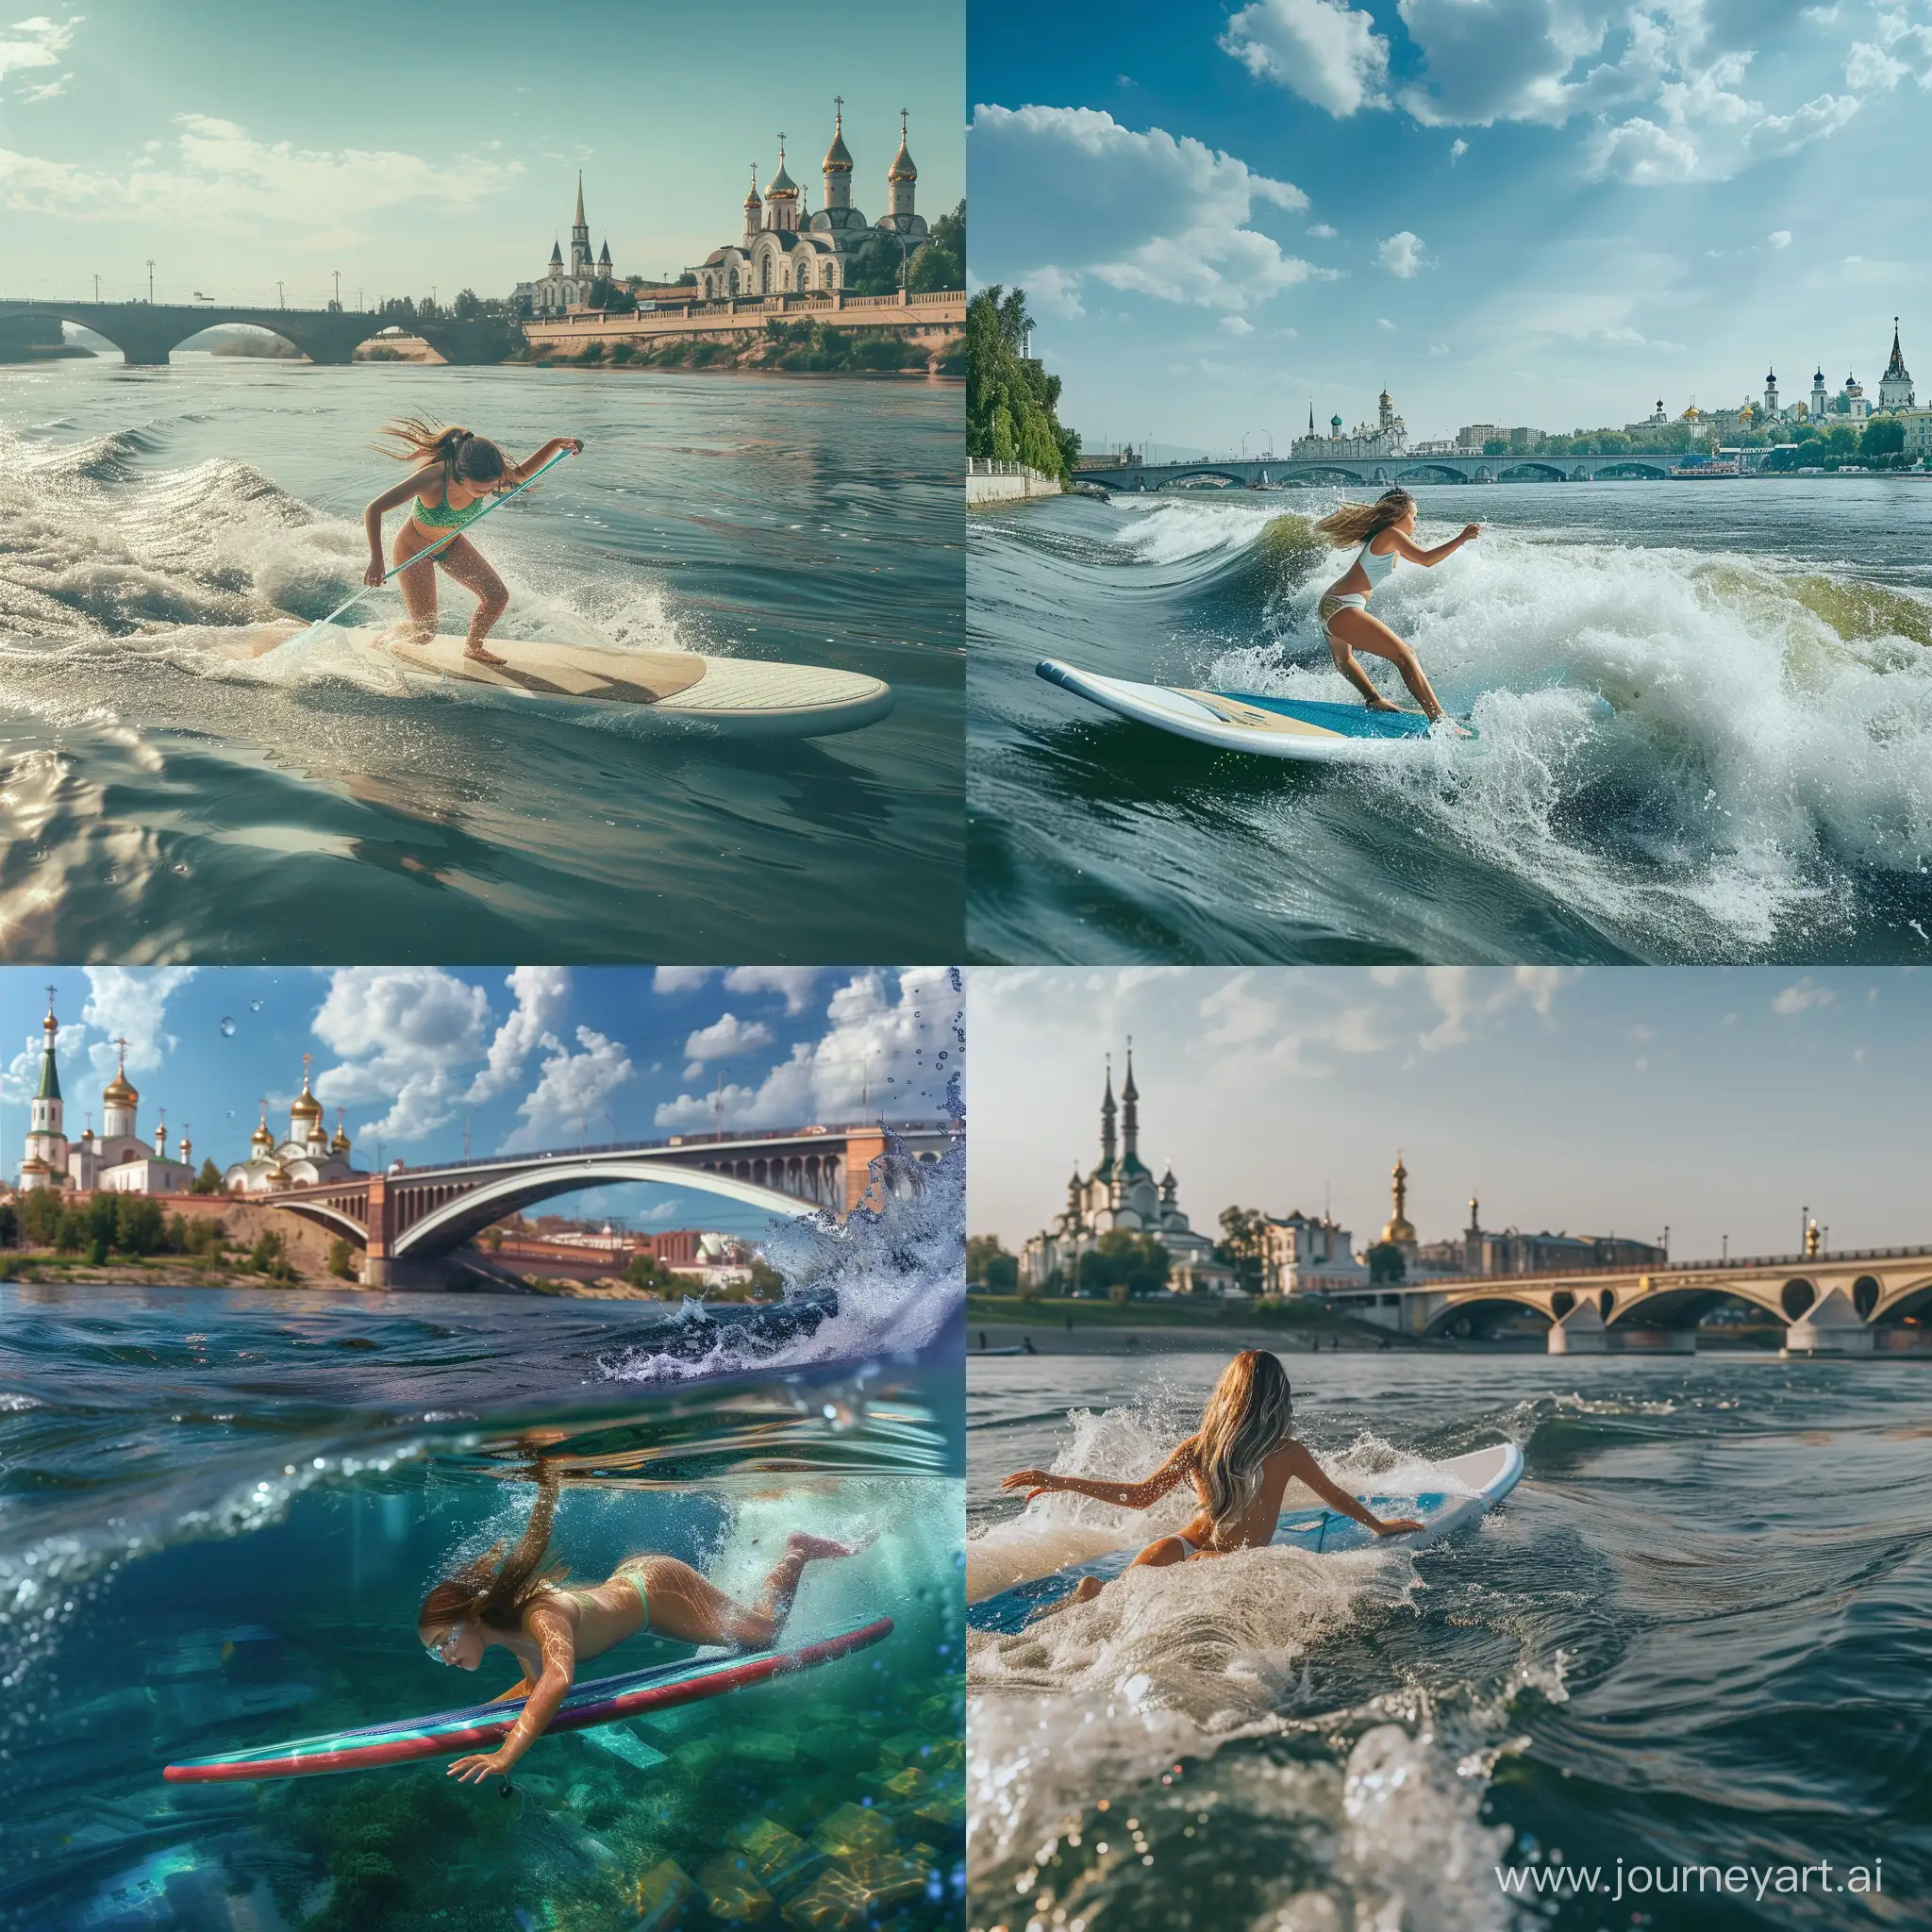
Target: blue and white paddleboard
[1247,721]
[1490,1474]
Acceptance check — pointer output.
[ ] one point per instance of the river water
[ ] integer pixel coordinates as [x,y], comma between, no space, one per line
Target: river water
[165,803]
[1705,719]
[219,1510]
[1695,1633]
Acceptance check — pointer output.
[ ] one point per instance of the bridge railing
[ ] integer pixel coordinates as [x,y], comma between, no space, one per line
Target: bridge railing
[1796,1263]
[683,1144]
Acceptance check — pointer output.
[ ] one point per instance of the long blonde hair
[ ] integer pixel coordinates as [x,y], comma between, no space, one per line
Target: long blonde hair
[496,1588]
[1355,522]
[1248,1417]
[464,455]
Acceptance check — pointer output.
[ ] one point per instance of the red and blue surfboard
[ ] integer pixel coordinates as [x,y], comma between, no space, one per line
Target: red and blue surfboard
[483,1726]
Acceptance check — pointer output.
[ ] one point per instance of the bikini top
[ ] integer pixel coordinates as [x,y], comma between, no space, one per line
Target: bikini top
[1375,567]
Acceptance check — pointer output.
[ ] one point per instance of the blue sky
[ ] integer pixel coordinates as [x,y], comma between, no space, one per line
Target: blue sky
[420,146]
[1545,212]
[539,1058]
[1714,1101]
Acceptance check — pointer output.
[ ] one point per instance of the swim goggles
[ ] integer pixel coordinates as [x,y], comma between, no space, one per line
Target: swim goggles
[444,1648]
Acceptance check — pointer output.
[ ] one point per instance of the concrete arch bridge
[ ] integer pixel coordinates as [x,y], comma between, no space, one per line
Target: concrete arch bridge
[1266,473]
[1860,1302]
[146,333]
[410,1221]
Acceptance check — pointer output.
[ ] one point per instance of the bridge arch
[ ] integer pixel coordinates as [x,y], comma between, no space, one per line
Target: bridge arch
[1796,1295]
[335,1219]
[1480,1315]
[460,1219]
[1529,467]
[1213,472]
[1428,473]
[1912,1301]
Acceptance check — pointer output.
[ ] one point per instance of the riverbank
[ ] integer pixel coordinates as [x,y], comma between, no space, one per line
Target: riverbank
[1084,1328]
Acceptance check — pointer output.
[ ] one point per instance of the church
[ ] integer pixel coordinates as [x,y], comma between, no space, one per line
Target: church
[118,1161]
[562,290]
[1121,1194]
[307,1156]
[787,250]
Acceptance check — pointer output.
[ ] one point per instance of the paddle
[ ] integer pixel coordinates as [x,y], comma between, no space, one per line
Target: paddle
[322,621]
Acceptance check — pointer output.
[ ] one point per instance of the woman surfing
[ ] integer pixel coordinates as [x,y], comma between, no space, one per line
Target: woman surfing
[516,1601]
[1384,530]
[1239,1460]
[457,478]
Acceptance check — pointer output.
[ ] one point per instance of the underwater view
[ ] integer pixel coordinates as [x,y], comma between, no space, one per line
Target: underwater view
[1704,716]
[221,1509]
[1693,1635]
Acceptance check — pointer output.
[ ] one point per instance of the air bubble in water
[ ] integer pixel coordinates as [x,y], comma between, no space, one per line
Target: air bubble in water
[227,1026]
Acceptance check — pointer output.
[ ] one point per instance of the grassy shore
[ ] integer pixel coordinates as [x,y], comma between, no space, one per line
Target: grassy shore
[1062,1326]
[47,1268]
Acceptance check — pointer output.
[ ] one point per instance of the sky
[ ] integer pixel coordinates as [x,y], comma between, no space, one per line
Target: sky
[1714,1102]
[1529,212]
[420,148]
[532,1058]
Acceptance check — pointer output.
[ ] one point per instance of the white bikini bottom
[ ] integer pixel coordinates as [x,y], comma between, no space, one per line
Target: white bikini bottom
[1340,600]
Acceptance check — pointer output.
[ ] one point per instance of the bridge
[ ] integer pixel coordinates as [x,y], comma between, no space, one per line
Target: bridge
[409,1221]
[1267,472]
[147,332]
[1863,1301]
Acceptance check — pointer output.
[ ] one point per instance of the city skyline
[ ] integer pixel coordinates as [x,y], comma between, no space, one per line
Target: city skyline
[1501,215]
[525,1059]
[124,141]
[1598,1102]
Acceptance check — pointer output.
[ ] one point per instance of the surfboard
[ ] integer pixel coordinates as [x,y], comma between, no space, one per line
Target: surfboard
[1490,1474]
[738,697]
[1249,721]
[483,1726]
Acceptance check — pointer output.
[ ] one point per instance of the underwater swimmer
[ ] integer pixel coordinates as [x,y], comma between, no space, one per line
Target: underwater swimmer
[515,1601]
[1385,530]
[458,475]
[1241,1461]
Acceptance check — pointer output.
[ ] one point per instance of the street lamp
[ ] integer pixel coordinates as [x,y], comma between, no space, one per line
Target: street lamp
[150,285]
[280,302]
[338,274]
[97,291]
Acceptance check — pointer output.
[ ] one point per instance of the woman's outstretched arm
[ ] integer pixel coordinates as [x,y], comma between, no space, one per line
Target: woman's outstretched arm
[522,473]
[1141,1495]
[1407,546]
[1300,1463]
[558,1643]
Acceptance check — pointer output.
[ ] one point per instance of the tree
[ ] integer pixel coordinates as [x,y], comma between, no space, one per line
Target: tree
[988,1264]
[208,1181]
[339,1264]
[647,1271]
[41,1214]
[941,263]
[1883,436]
[1243,1245]
[1011,399]
[1386,1262]
[766,1283]
[138,1226]
[10,1224]
[1842,440]
[1127,1264]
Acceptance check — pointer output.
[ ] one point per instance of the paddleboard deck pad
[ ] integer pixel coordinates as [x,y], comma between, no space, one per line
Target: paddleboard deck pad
[1247,721]
[483,1726]
[1490,1474]
[740,697]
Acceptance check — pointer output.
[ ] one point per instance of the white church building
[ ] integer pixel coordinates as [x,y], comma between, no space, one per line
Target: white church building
[307,1156]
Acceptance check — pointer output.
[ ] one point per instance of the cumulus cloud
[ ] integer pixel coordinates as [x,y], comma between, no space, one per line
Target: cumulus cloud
[795,983]
[217,176]
[402,1033]
[1779,238]
[1322,50]
[1469,1001]
[680,979]
[1401,254]
[540,993]
[1075,195]
[132,1003]
[572,1091]
[1322,232]
[727,1037]
[1801,996]
[1457,149]
[35,43]
[868,1056]
[1237,325]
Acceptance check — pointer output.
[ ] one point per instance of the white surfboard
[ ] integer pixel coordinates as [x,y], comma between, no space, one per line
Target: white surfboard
[1482,1478]
[739,697]
[1252,721]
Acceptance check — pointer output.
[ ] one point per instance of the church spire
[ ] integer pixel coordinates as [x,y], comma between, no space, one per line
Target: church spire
[1130,1116]
[1108,1112]
[579,222]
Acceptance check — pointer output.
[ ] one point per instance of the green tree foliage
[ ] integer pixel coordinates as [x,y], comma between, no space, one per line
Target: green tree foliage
[1011,399]
[1243,1245]
[989,1265]
[1883,436]
[647,1271]
[1386,1262]
[338,1262]
[766,1283]
[39,1217]
[1126,1264]
[941,263]
[208,1181]
[10,1224]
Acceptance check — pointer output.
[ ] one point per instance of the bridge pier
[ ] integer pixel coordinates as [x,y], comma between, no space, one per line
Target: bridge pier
[1579,1332]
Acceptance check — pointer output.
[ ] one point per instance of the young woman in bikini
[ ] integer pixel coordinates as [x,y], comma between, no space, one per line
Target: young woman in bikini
[1239,1460]
[457,478]
[517,1602]
[1383,531]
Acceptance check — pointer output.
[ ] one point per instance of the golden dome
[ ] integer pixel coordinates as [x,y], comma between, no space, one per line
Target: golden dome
[261,1138]
[119,1092]
[783,187]
[1398,1228]
[902,168]
[837,157]
[305,1107]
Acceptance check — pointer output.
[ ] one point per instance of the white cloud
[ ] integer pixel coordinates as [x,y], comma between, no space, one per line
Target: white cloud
[131,1001]
[1779,238]
[1237,325]
[868,1056]
[1382,322]
[1457,149]
[727,1037]
[569,1099]
[1322,232]
[1467,998]
[541,994]
[1078,197]
[1868,67]
[1514,59]
[680,979]
[402,1033]
[1402,255]
[1322,50]
[1643,153]
[796,983]
[35,43]
[1438,348]
[220,177]
[1801,996]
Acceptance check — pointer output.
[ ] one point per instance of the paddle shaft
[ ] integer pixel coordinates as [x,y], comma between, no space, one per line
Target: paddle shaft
[422,554]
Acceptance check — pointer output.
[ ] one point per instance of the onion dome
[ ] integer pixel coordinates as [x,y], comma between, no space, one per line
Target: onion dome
[902,168]
[340,1143]
[119,1092]
[782,188]
[751,200]
[261,1139]
[305,1107]
[837,157]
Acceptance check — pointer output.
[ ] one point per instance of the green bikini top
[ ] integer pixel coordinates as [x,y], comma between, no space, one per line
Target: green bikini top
[440,516]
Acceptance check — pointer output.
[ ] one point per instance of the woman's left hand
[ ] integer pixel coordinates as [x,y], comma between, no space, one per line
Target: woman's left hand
[1470,532]
[473,1770]
[574,443]
[1397,1525]
[1036,1482]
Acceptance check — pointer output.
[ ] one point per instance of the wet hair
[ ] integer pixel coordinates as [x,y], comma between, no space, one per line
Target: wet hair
[464,457]
[496,1588]
[1247,1418]
[1355,522]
